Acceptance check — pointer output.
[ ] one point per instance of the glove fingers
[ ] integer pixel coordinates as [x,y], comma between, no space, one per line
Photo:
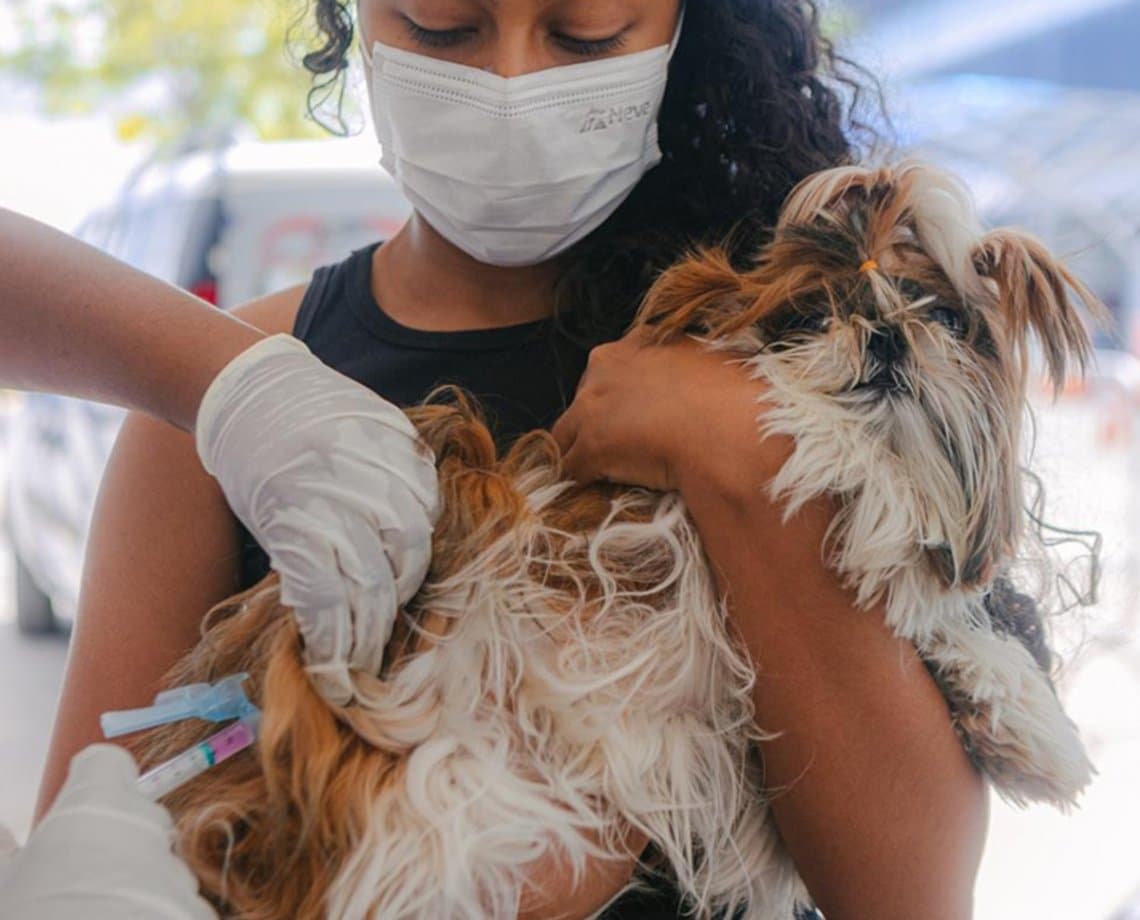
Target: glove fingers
[332,681]
[327,633]
[395,550]
[370,589]
[309,570]
[374,611]
[361,552]
[336,485]
[102,850]
[400,528]
[104,775]
[102,765]
[380,502]
[344,605]
[314,588]
[402,463]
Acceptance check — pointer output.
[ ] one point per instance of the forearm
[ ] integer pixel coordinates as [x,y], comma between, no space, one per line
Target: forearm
[878,805]
[76,321]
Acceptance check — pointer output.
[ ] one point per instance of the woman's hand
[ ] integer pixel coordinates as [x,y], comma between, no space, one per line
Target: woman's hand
[658,415]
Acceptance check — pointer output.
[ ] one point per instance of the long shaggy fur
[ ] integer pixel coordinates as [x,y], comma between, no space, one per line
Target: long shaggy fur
[894,337]
[567,671]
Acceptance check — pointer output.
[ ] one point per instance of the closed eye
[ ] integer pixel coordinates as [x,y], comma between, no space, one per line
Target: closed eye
[437,38]
[589,47]
[450,38]
[795,322]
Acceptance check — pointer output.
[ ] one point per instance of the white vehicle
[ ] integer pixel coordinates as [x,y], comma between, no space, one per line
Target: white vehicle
[228,225]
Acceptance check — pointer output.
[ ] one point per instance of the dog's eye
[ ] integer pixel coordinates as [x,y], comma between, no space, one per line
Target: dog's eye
[807,322]
[950,318]
[814,323]
[911,290]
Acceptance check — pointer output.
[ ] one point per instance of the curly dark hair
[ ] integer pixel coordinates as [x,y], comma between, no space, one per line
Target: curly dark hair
[757,99]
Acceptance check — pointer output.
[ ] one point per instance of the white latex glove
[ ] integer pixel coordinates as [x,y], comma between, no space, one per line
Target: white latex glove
[336,485]
[101,853]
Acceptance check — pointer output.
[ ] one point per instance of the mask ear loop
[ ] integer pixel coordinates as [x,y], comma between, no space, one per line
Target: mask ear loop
[677,32]
[367,53]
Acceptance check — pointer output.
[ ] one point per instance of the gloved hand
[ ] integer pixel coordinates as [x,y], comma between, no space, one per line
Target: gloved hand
[101,853]
[335,484]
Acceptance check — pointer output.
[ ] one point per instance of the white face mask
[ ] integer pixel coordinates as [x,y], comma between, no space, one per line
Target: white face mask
[514,170]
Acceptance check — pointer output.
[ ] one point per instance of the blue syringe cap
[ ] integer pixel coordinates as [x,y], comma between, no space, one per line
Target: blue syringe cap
[213,702]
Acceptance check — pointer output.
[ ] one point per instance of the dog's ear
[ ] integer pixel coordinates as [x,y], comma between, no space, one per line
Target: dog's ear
[978,508]
[984,551]
[1034,296]
[701,294]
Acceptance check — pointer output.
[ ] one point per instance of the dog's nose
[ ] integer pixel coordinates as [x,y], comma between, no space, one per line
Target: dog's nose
[887,344]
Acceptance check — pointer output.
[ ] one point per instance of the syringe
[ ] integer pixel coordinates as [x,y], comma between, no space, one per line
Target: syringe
[167,777]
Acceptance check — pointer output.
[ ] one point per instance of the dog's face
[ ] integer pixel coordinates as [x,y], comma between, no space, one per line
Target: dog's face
[881,294]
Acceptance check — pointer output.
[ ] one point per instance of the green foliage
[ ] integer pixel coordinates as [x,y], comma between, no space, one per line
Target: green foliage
[166,67]
[839,22]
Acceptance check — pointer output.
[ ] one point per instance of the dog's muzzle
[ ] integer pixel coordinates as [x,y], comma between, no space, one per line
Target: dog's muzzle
[886,348]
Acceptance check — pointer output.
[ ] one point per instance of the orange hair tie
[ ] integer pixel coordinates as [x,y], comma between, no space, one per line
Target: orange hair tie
[869,266]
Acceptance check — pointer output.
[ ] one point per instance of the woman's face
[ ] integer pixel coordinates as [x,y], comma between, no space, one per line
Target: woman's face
[513,37]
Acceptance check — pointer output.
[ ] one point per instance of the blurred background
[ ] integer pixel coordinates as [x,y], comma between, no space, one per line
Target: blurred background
[173,135]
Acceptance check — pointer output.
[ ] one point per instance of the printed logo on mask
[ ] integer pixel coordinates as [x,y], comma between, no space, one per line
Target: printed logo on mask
[601,119]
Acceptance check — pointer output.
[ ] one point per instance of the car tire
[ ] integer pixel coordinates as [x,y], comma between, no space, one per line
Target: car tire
[34,615]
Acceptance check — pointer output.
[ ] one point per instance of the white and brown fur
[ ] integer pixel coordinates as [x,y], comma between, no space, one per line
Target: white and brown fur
[567,671]
[894,337]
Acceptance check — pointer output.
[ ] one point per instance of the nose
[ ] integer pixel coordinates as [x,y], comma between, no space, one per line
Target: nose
[887,344]
[512,53]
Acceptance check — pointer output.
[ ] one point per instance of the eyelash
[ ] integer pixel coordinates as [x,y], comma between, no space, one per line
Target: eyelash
[436,38]
[591,47]
[449,38]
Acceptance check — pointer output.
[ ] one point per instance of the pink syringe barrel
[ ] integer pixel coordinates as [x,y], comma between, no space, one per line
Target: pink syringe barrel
[167,777]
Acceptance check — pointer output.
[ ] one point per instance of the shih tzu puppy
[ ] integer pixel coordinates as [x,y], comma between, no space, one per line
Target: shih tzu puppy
[566,674]
[894,337]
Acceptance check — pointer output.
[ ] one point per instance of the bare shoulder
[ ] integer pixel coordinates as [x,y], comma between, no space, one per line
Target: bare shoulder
[273,313]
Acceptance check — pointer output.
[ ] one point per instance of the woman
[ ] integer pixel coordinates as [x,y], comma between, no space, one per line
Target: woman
[522,215]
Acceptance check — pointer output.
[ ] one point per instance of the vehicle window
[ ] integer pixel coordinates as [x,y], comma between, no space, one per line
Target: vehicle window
[292,247]
[265,247]
[153,234]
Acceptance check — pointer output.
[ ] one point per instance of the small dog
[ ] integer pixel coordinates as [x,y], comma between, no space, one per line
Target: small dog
[567,673]
[894,336]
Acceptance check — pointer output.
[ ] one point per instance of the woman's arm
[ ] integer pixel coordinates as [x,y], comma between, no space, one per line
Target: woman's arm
[162,550]
[77,322]
[880,810]
[874,797]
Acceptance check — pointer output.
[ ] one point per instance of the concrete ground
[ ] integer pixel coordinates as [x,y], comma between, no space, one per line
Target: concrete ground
[1039,864]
